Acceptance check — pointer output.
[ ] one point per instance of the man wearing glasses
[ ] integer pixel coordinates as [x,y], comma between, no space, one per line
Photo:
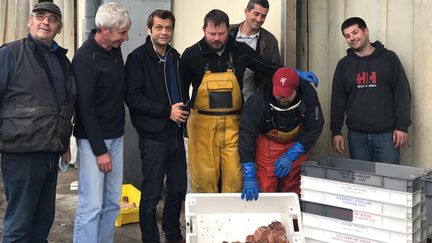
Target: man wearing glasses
[37,99]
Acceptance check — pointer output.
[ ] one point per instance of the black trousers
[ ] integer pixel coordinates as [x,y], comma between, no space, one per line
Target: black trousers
[30,181]
[160,159]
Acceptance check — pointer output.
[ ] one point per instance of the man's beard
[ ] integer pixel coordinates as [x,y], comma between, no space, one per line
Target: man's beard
[222,46]
[284,105]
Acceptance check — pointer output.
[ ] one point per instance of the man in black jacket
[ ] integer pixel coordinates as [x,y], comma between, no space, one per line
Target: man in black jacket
[37,101]
[369,87]
[99,127]
[157,111]
[281,121]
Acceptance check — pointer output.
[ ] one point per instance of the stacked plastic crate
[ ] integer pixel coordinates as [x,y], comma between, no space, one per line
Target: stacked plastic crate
[427,190]
[357,201]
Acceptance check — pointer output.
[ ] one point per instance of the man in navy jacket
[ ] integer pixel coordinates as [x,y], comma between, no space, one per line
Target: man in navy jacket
[153,95]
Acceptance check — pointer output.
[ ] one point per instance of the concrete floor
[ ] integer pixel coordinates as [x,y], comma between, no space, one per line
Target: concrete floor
[61,231]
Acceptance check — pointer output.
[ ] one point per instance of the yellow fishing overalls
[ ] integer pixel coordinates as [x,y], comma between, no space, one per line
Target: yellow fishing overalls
[213,129]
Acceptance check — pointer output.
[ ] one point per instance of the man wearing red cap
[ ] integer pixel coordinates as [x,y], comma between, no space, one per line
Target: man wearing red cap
[280,123]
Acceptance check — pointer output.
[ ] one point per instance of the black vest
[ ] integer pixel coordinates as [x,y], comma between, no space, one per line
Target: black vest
[31,120]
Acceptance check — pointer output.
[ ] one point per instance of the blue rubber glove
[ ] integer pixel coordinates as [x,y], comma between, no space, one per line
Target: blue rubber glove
[250,185]
[310,77]
[284,163]
[282,166]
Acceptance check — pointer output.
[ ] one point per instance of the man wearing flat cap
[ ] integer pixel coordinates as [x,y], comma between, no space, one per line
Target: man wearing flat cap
[37,100]
[281,121]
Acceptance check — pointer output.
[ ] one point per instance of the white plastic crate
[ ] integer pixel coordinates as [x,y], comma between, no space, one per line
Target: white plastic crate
[363,218]
[218,217]
[362,205]
[384,175]
[406,199]
[372,234]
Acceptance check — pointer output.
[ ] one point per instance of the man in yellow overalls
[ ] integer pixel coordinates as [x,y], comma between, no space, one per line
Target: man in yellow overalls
[215,67]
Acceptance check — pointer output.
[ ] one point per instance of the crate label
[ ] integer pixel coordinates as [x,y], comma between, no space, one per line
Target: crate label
[353,201]
[354,227]
[358,178]
[348,238]
[366,217]
[353,190]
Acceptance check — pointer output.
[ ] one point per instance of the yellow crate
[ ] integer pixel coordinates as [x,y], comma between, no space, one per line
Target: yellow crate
[129,215]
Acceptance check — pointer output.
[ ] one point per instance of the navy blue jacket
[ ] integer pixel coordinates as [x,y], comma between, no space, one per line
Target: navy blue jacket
[147,92]
[100,82]
[257,114]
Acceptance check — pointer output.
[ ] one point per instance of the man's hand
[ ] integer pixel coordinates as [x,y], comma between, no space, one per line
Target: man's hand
[64,161]
[338,143]
[399,138]
[177,114]
[310,77]
[250,184]
[104,162]
[282,166]
[66,156]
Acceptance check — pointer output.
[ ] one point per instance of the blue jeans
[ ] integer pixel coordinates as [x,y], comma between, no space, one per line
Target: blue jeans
[377,147]
[160,159]
[30,181]
[98,193]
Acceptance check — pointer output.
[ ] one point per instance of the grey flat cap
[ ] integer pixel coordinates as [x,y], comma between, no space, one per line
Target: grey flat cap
[48,6]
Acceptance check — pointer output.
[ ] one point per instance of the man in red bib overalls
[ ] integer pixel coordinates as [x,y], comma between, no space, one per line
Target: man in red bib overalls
[280,123]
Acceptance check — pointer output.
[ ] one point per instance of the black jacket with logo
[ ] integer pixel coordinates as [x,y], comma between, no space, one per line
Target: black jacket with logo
[372,91]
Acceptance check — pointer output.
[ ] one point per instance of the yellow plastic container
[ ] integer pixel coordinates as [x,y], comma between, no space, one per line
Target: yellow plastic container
[129,215]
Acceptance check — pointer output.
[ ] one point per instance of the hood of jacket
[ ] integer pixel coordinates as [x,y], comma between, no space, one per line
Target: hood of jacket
[379,50]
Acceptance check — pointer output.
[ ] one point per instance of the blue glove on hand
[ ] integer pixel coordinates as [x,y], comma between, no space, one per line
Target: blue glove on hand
[250,185]
[310,77]
[284,163]
[282,166]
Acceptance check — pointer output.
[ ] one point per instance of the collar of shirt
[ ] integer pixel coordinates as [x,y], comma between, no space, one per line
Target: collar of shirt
[243,36]
[250,40]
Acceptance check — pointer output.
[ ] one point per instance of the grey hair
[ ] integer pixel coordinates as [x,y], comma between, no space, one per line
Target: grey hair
[113,16]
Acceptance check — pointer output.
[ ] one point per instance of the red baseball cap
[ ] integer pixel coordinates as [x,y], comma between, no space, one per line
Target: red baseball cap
[285,81]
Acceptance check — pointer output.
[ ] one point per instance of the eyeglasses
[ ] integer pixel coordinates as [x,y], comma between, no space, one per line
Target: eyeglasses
[53,19]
